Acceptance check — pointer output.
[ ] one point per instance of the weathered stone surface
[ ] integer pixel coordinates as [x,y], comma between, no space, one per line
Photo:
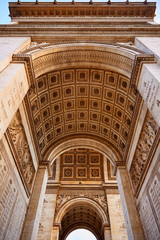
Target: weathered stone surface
[132,221]
[32,220]
[13,88]
[149,45]
[149,87]
[148,202]
[47,217]
[118,229]
[13,202]
[9,46]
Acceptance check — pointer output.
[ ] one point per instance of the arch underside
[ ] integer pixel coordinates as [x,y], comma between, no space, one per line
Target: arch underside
[82,91]
[81,213]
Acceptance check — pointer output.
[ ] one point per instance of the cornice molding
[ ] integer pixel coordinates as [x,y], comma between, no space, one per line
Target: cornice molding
[66,9]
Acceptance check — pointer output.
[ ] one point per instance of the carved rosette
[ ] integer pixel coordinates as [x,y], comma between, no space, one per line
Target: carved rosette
[20,149]
[143,150]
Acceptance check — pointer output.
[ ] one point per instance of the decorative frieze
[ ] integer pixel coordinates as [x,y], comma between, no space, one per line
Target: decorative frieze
[82,56]
[79,9]
[100,199]
[143,150]
[20,149]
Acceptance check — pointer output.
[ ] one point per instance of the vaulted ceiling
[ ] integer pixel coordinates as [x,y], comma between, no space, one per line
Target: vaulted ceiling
[82,101]
[82,216]
[82,91]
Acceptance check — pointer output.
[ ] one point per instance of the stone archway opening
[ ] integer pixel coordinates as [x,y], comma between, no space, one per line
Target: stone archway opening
[81,212]
[81,216]
[81,234]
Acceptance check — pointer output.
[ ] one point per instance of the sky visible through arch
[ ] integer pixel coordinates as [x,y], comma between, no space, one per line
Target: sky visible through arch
[4,12]
[81,234]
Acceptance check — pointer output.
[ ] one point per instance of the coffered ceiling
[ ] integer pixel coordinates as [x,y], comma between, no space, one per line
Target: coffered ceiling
[82,102]
[82,216]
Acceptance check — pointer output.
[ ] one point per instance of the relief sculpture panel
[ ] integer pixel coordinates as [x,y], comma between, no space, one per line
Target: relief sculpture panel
[20,149]
[144,148]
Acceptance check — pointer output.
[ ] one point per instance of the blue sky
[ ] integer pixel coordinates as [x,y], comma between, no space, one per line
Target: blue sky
[81,234]
[4,18]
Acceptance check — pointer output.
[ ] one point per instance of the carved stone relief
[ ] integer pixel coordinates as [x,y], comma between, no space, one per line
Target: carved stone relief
[20,149]
[12,203]
[144,146]
[101,200]
[81,164]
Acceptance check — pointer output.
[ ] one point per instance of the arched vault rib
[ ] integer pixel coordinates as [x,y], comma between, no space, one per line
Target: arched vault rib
[83,143]
[114,57]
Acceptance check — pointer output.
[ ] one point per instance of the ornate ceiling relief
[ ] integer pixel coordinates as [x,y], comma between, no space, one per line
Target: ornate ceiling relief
[81,165]
[79,55]
[145,147]
[82,101]
[20,149]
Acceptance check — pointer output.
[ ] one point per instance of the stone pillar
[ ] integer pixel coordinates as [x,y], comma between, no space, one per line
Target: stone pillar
[107,233]
[105,169]
[55,232]
[57,169]
[31,225]
[118,229]
[47,216]
[131,217]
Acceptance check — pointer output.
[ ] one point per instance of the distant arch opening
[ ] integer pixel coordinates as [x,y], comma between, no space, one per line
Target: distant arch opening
[81,213]
[81,234]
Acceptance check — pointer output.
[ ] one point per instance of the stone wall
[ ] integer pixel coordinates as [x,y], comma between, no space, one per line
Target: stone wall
[118,229]
[13,199]
[148,201]
[47,216]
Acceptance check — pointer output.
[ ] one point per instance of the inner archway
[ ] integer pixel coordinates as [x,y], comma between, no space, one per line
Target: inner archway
[81,213]
[81,234]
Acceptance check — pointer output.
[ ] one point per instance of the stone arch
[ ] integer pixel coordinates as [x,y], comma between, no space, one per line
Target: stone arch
[82,143]
[49,57]
[77,205]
